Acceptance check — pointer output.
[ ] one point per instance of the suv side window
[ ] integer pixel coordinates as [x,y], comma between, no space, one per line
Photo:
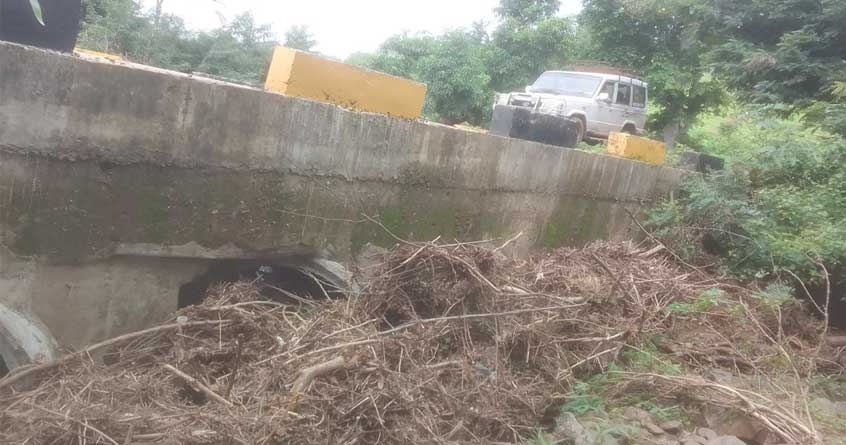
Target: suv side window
[624,94]
[608,87]
[639,97]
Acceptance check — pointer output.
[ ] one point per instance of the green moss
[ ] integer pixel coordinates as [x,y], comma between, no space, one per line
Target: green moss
[152,213]
[576,221]
[368,232]
[423,215]
[562,223]
[391,218]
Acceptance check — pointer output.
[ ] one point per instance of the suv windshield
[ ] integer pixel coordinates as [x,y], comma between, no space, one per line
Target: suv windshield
[568,84]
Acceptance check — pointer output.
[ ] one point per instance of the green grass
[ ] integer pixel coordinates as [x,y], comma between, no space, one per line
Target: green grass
[707,301]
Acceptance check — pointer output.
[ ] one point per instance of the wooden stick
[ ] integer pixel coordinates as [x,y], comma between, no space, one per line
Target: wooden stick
[308,375]
[836,340]
[476,316]
[81,423]
[658,242]
[234,374]
[17,376]
[613,277]
[128,439]
[194,383]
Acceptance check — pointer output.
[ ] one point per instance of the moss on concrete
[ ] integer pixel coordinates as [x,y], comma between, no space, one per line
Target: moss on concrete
[576,221]
[152,211]
[69,218]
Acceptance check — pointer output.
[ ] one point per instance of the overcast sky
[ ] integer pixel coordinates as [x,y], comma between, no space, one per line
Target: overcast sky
[342,27]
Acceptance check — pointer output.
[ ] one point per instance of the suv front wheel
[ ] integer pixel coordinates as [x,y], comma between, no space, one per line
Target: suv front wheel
[581,128]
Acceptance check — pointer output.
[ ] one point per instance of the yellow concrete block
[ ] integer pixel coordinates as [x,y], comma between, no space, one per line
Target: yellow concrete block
[89,52]
[636,147]
[301,74]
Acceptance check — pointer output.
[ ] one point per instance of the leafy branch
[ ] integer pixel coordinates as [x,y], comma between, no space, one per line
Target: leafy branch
[36,11]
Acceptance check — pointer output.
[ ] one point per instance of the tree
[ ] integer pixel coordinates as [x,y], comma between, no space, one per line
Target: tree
[114,26]
[452,66]
[519,52]
[529,40]
[240,51]
[401,54]
[782,51]
[667,42]
[298,37]
[458,82]
[527,11]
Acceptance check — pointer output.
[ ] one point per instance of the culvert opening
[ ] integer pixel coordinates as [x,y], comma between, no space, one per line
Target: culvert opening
[281,282]
[819,291]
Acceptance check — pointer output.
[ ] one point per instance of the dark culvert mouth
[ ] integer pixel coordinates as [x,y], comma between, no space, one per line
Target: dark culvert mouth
[285,283]
[835,293]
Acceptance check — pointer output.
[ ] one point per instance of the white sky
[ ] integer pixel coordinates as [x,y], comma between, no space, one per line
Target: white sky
[342,27]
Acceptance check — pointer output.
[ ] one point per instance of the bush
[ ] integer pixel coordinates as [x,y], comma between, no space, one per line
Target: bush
[780,205]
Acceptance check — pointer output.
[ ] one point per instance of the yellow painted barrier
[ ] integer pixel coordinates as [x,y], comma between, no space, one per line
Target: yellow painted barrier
[89,52]
[636,147]
[300,74]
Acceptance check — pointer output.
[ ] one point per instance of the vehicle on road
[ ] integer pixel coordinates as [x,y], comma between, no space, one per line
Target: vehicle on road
[601,99]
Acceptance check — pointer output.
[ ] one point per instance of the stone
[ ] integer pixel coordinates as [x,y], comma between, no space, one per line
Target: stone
[671,426]
[640,415]
[652,428]
[726,440]
[568,427]
[731,422]
[701,162]
[665,439]
[748,429]
[693,439]
[721,376]
[707,433]
[608,439]
[829,408]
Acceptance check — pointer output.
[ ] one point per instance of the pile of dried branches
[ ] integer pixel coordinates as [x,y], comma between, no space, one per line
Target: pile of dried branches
[445,343]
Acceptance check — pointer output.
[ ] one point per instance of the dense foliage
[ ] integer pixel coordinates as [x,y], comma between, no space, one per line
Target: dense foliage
[780,205]
[239,50]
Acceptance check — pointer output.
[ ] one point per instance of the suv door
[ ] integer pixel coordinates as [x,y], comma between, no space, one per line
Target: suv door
[622,105]
[601,121]
[639,106]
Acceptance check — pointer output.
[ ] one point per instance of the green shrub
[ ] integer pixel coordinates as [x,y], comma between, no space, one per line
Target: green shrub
[707,300]
[583,399]
[780,204]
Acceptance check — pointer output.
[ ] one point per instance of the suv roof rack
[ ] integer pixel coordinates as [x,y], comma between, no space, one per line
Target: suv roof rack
[600,67]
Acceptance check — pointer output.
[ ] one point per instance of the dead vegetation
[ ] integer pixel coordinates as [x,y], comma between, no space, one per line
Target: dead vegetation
[446,343]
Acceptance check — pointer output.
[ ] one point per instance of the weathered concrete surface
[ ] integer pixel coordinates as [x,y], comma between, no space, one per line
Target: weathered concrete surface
[23,341]
[85,303]
[98,160]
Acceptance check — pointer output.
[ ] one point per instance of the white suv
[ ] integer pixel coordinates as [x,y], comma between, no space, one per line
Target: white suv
[599,102]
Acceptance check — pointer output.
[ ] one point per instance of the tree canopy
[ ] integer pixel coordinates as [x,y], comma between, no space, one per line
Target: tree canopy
[696,54]
[298,37]
[239,50]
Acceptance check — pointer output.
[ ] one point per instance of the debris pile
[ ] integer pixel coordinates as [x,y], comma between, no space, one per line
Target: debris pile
[444,343]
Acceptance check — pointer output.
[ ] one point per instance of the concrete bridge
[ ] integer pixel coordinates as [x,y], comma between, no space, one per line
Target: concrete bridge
[119,185]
